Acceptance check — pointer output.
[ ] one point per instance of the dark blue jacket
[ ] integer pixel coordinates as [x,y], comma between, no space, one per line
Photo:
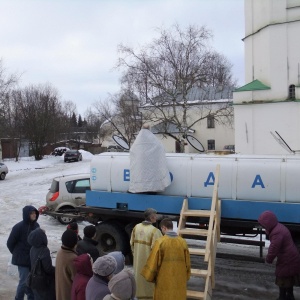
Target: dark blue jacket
[17,240]
[38,240]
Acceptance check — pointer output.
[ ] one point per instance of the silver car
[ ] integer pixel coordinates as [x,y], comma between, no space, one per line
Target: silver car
[67,192]
[3,171]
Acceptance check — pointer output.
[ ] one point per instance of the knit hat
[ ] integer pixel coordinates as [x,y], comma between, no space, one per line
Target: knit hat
[120,259]
[73,226]
[104,265]
[123,285]
[89,231]
[69,238]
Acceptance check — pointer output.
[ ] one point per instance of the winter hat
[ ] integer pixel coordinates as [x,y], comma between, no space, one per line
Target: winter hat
[89,231]
[73,226]
[120,259]
[69,238]
[123,285]
[104,265]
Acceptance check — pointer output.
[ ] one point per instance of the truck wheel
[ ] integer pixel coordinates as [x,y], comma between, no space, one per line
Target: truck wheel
[111,237]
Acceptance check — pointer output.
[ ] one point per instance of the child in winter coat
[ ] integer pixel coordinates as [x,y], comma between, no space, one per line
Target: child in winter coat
[83,265]
[288,258]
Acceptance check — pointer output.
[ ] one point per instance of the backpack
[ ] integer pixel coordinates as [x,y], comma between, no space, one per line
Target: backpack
[37,279]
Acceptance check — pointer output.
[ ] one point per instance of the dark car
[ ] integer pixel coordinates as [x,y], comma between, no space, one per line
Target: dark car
[72,155]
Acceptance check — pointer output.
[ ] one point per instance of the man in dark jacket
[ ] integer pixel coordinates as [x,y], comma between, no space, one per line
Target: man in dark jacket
[20,249]
[88,244]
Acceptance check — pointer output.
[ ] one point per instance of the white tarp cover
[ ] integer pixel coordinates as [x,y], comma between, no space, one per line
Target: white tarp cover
[148,164]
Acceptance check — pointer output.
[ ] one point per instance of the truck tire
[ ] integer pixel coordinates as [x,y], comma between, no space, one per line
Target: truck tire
[111,237]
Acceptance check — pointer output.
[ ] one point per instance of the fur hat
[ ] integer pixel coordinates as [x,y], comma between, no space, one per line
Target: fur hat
[123,285]
[104,265]
[69,238]
[89,231]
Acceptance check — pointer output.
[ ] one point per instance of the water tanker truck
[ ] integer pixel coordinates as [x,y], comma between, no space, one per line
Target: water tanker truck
[248,185]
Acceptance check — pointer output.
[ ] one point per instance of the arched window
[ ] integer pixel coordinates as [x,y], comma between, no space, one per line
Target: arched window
[292,94]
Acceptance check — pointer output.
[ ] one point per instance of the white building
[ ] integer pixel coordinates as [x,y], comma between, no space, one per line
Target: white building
[270,101]
[212,133]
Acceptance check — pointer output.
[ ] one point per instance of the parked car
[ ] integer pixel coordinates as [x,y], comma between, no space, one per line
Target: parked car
[72,155]
[114,148]
[67,192]
[3,171]
[230,148]
[59,151]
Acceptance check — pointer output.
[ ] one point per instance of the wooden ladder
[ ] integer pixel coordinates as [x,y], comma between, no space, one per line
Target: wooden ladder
[210,234]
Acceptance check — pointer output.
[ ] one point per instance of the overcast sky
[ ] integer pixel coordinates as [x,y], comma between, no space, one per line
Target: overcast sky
[72,44]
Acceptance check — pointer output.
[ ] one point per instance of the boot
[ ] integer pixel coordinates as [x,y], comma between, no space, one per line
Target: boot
[282,294]
[290,294]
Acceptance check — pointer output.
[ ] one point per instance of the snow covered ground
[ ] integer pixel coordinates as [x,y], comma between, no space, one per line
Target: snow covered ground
[27,183]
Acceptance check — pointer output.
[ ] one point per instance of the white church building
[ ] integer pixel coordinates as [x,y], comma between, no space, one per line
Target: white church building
[269,103]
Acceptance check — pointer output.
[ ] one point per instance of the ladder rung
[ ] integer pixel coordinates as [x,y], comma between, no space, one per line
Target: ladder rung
[192,231]
[195,251]
[197,213]
[199,273]
[194,294]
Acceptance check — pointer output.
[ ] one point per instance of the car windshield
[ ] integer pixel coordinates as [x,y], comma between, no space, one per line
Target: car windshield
[71,152]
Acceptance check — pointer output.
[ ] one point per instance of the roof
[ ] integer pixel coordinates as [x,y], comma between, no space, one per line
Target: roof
[164,127]
[198,95]
[255,85]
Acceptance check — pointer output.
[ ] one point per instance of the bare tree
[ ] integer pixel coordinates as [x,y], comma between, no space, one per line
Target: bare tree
[166,73]
[121,115]
[93,126]
[7,83]
[39,107]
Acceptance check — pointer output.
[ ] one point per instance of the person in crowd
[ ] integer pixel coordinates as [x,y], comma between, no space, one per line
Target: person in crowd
[168,265]
[20,249]
[122,286]
[64,268]
[74,226]
[83,265]
[288,258]
[103,270]
[120,259]
[142,240]
[38,241]
[88,244]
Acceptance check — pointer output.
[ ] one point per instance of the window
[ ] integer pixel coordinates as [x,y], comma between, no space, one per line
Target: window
[81,186]
[210,144]
[210,122]
[292,94]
